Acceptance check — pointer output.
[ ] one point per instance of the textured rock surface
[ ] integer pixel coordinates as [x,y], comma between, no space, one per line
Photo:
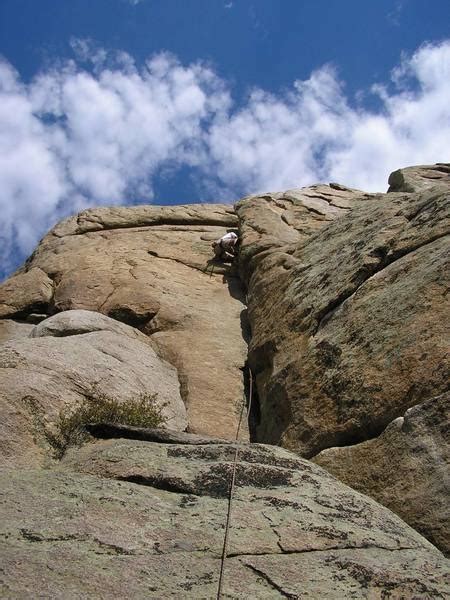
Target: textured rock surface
[148,267]
[346,295]
[350,329]
[10,330]
[418,178]
[405,468]
[25,292]
[147,521]
[276,220]
[39,376]
[77,322]
[349,326]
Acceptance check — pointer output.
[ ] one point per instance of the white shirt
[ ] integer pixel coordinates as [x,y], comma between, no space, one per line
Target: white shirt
[228,240]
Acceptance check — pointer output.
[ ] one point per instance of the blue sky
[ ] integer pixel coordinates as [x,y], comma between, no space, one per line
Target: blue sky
[176,101]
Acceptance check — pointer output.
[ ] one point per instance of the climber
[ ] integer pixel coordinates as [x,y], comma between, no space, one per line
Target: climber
[226,247]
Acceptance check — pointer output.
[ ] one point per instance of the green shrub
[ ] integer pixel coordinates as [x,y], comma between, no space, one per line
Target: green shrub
[70,427]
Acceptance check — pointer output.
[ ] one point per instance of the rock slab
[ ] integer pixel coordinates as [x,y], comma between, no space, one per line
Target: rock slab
[150,267]
[350,329]
[136,519]
[349,324]
[406,468]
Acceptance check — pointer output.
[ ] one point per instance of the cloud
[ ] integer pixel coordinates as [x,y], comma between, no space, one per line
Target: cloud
[32,182]
[394,15]
[74,138]
[312,133]
[86,134]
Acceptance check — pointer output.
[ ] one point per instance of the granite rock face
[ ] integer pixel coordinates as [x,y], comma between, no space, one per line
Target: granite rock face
[416,179]
[10,329]
[342,298]
[274,221]
[150,267]
[405,468]
[138,519]
[25,293]
[349,324]
[349,320]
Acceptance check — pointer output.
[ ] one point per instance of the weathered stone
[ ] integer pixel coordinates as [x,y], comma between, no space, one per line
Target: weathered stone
[10,330]
[276,220]
[349,574]
[41,376]
[405,468]
[294,530]
[418,178]
[348,320]
[120,217]
[349,326]
[149,434]
[350,329]
[77,322]
[151,268]
[25,292]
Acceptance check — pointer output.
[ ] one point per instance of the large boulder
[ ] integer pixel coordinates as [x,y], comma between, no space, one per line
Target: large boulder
[349,323]
[78,322]
[40,376]
[25,293]
[418,178]
[150,267]
[134,519]
[405,468]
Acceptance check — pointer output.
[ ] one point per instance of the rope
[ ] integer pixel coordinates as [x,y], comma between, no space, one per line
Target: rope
[230,496]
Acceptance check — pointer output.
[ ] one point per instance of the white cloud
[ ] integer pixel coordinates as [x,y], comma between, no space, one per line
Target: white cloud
[313,134]
[394,15]
[75,137]
[31,180]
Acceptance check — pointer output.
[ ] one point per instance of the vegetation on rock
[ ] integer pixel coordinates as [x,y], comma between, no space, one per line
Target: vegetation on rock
[71,425]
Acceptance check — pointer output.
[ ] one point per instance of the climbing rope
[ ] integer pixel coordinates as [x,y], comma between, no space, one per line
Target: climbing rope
[232,484]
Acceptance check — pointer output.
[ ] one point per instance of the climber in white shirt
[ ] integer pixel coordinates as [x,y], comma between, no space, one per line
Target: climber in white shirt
[225,248]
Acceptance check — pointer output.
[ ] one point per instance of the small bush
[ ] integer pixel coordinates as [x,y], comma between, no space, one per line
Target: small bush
[70,427]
